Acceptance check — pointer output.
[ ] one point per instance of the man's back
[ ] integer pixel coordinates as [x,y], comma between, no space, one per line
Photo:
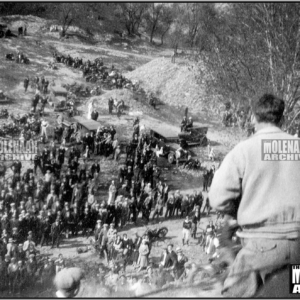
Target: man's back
[270,190]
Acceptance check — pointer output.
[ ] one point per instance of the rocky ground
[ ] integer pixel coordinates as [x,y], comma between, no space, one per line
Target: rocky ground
[176,85]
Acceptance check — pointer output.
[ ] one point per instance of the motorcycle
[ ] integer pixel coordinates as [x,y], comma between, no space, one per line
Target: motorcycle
[156,234]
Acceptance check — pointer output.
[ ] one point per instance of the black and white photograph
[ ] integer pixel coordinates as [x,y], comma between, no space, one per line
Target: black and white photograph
[149,149]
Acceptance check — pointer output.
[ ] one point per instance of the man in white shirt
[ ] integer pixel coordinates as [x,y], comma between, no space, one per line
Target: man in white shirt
[44,126]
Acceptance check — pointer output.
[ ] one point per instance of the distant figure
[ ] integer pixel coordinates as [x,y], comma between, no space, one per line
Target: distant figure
[26,83]
[20,31]
[90,110]
[94,115]
[212,154]
[173,56]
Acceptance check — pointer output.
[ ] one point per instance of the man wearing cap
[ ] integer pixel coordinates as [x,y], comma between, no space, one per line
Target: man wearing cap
[67,282]
[45,230]
[15,235]
[102,214]
[13,222]
[9,197]
[51,198]
[59,263]
[21,276]
[76,220]
[171,259]
[12,274]
[21,254]
[180,266]
[103,240]
[68,221]
[5,222]
[4,275]
[187,225]
[17,166]
[29,243]
[86,222]
[76,194]
[170,206]
[21,207]
[158,209]
[11,248]
[31,268]
[97,230]
[56,230]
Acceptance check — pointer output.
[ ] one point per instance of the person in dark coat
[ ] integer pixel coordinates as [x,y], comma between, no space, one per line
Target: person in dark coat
[56,229]
[205,180]
[94,115]
[26,83]
[171,259]
[46,230]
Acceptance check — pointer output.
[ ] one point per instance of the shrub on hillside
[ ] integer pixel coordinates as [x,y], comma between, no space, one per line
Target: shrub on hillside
[129,68]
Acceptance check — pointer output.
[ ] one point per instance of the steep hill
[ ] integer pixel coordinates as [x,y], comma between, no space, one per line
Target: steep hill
[177,84]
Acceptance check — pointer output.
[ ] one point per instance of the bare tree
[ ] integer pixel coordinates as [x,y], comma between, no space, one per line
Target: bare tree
[132,14]
[254,48]
[152,18]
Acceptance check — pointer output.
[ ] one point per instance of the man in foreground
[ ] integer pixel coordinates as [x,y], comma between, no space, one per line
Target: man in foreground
[264,196]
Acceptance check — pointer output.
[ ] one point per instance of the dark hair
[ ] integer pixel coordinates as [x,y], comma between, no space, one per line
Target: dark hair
[268,109]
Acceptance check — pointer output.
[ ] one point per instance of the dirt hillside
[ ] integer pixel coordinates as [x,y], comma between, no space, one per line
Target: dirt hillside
[177,83]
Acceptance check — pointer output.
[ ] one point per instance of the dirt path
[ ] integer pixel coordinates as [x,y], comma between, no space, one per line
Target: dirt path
[63,47]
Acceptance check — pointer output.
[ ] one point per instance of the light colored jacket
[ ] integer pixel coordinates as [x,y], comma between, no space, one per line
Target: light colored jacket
[269,190]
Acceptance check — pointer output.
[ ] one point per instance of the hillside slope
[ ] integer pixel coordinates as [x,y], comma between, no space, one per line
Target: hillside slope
[177,83]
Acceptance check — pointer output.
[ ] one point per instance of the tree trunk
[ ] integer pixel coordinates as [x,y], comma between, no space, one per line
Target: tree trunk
[152,34]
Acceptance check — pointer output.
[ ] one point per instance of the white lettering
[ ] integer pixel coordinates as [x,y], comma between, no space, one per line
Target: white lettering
[267,147]
[296,289]
[282,156]
[274,156]
[275,146]
[296,276]
[296,146]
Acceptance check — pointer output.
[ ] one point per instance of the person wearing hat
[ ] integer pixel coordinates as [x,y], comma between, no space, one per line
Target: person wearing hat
[187,225]
[67,282]
[143,255]
[45,231]
[76,194]
[170,206]
[158,209]
[163,257]
[102,215]
[171,259]
[11,248]
[44,126]
[21,276]
[102,242]
[86,221]
[4,274]
[68,221]
[189,124]
[15,234]
[183,124]
[56,229]
[179,269]
[76,219]
[97,230]
[31,268]
[59,263]
[21,254]
[12,275]
[29,243]
[110,231]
